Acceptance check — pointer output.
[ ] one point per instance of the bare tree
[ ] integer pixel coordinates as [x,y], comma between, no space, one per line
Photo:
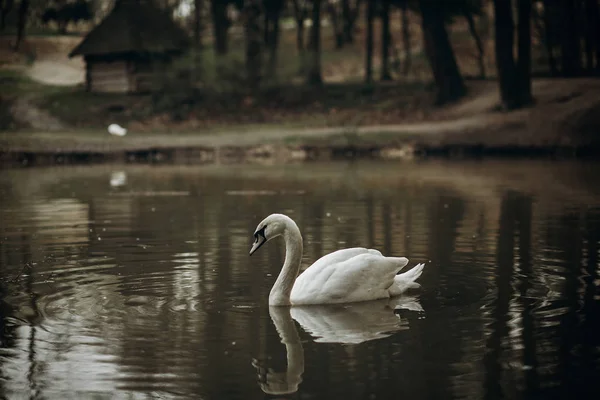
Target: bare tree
[571,43]
[300,14]
[386,37]
[406,37]
[5,8]
[314,76]
[334,17]
[350,11]
[21,22]
[252,12]
[478,42]
[198,4]
[220,22]
[592,14]
[273,9]
[449,82]
[370,16]
[514,76]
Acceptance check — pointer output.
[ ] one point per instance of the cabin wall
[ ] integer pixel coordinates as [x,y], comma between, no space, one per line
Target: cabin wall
[132,75]
[143,77]
[108,77]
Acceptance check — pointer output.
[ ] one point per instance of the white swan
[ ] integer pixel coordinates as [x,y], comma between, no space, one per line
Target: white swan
[344,276]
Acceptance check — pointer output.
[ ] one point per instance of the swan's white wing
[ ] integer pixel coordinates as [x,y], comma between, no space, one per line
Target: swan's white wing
[366,276]
[315,272]
[340,256]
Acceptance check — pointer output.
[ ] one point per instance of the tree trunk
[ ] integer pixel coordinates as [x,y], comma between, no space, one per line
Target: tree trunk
[349,16]
[592,12]
[252,13]
[480,49]
[300,45]
[514,77]
[588,41]
[197,39]
[300,16]
[220,22]
[198,23]
[314,73]
[386,37]
[549,38]
[406,38]
[273,12]
[266,30]
[335,22]
[570,46]
[449,82]
[21,22]
[504,30]
[274,47]
[5,7]
[370,15]
[524,62]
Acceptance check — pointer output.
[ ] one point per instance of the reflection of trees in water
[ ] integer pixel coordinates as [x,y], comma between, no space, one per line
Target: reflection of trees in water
[578,329]
[515,217]
[24,282]
[7,331]
[445,213]
[525,298]
[217,325]
[590,326]
[531,339]
[34,318]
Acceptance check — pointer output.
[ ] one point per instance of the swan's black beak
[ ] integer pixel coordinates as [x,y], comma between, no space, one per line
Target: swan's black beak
[259,240]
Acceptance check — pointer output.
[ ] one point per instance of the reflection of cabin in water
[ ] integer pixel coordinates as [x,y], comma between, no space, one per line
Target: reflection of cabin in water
[130,48]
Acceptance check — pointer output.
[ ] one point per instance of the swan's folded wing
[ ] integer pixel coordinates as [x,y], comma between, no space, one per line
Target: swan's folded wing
[366,276]
[342,255]
[320,270]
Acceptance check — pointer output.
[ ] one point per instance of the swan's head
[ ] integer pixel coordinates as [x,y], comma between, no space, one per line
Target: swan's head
[269,228]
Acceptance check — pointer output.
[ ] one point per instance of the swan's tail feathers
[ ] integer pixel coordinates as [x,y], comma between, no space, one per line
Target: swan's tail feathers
[405,281]
[413,275]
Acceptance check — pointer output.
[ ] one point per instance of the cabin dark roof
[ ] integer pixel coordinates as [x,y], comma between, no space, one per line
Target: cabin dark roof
[133,26]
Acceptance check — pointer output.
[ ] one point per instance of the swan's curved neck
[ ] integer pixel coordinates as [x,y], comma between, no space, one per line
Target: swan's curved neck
[280,293]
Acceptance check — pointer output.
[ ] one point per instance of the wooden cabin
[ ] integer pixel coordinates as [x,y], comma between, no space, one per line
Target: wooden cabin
[130,49]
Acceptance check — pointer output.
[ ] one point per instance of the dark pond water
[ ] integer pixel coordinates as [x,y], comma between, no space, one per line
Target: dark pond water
[135,282]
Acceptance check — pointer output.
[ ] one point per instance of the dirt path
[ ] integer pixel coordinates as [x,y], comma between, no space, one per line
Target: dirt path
[25,112]
[45,59]
[56,72]
[52,66]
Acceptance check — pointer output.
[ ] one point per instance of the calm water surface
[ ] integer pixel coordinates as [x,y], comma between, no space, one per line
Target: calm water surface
[135,282]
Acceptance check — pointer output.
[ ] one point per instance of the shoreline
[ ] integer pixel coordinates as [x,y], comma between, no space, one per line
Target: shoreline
[300,145]
[563,122]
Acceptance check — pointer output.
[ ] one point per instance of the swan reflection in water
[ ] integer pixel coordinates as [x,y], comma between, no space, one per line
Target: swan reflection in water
[338,323]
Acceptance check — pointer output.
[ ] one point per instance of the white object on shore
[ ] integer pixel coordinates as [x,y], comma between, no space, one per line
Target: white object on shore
[117,130]
[118,178]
